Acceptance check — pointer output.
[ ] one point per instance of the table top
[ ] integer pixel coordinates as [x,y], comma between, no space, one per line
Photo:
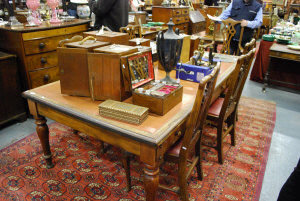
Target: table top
[283,48]
[44,26]
[154,129]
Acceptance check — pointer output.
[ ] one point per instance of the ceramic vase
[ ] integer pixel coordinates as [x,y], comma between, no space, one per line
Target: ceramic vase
[83,11]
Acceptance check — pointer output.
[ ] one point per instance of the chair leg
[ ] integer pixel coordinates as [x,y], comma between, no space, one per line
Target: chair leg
[232,121]
[183,188]
[126,165]
[198,152]
[220,144]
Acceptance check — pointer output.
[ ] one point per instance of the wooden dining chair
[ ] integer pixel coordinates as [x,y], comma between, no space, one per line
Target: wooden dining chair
[228,31]
[249,46]
[134,31]
[187,149]
[222,112]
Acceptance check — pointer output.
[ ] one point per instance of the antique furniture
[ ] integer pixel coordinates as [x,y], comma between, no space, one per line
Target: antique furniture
[288,56]
[73,66]
[12,105]
[197,22]
[222,113]
[213,11]
[35,48]
[187,150]
[134,31]
[180,16]
[149,141]
[108,36]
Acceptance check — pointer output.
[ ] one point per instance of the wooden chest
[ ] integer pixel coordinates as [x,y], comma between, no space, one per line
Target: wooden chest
[111,37]
[12,105]
[73,65]
[213,11]
[197,22]
[35,48]
[180,16]
[108,74]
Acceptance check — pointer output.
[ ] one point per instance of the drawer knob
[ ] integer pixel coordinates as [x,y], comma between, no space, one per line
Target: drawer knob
[46,78]
[42,45]
[43,60]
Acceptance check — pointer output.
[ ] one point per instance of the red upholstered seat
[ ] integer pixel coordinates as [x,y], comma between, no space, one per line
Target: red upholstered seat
[216,107]
[175,149]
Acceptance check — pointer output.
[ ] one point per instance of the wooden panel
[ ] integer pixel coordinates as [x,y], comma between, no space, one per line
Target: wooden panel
[105,76]
[185,52]
[44,60]
[45,44]
[44,76]
[283,55]
[12,105]
[111,37]
[54,32]
[74,75]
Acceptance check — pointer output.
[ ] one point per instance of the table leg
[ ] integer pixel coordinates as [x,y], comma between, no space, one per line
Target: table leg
[151,178]
[267,78]
[43,133]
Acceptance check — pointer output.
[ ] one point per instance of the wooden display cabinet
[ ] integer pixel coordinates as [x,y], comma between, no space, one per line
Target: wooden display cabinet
[35,48]
[180,16]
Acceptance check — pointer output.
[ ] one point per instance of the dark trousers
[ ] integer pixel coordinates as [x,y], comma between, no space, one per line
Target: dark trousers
[234,45]
[290,190]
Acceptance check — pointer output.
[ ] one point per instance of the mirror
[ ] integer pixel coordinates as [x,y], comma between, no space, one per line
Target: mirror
[141,69]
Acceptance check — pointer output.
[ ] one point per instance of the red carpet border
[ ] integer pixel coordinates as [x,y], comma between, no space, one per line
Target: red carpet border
[79,175]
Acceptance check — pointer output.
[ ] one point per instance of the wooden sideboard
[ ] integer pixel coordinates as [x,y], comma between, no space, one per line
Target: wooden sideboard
[12,106]
[180,16]
[35,48]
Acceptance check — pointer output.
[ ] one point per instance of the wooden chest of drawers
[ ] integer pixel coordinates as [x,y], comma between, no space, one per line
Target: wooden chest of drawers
[180,16]
[35,48]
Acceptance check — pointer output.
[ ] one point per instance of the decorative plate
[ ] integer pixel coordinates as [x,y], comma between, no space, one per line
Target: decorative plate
[294,47]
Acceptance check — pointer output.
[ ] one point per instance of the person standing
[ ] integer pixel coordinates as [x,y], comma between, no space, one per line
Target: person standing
[110,13]
[249,12]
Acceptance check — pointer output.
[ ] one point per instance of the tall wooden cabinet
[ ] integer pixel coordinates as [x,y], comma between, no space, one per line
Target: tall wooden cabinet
[12,106]
[179,15]
[35,48]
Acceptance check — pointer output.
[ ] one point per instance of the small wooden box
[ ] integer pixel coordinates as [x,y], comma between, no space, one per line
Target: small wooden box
[197,22]
[109,73]
[156,104]
[73,64]
[111,37]
[139,41]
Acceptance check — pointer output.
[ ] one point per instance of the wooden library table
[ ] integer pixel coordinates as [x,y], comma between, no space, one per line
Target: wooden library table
[282,52]
[149,141]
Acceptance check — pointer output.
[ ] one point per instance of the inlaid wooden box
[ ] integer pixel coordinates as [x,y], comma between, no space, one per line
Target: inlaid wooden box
[73,66]
[111,37]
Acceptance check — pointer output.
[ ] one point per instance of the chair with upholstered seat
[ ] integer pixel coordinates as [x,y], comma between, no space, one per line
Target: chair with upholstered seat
[222,112]
[187,149]
[134,31]
[228,31]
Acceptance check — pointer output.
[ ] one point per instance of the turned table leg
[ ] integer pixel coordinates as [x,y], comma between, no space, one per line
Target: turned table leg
[151,177]
[43,133]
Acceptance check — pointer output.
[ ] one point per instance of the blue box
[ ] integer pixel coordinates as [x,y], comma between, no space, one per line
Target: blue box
[191,72]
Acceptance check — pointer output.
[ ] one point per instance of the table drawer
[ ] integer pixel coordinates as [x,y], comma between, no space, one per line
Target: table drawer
[283,55]
[44,76]
[45,44]
[184,27]
[178,20]
[185,11]
[43,60]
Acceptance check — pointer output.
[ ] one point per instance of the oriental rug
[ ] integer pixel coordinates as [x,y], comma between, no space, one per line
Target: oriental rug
[80,175]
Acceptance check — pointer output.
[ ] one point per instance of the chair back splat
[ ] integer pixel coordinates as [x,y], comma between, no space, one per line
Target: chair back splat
[134,31]
[228,31]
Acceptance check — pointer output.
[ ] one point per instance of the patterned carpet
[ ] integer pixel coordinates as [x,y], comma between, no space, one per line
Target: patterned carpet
[80,175]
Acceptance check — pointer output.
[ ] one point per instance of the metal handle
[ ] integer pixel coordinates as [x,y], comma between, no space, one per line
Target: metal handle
[42,45]
[43,60]
[46,78]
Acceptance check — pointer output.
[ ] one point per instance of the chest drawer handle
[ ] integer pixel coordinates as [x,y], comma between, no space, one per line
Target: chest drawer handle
[43,60]
[42,45]
[46,78]
[177,12]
